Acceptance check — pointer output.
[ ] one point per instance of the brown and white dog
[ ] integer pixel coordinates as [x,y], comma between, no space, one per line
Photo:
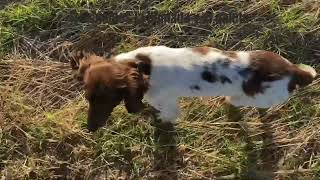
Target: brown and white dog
[161,75]
[107,83]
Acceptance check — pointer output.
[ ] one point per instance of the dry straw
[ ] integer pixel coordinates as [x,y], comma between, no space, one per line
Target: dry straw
[46,84]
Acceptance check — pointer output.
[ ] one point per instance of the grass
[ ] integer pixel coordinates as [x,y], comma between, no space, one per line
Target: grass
[195,6]
[43,111]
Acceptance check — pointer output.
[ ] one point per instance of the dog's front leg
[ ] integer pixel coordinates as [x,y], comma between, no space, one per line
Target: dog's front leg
[169,114]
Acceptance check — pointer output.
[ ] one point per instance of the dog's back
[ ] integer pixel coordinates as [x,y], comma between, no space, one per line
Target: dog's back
[254,78]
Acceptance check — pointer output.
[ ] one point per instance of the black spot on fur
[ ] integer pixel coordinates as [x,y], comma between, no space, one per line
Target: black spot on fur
[195,87]
[145,65]
[144,68]
[222,61]
[225,63]
[214,67]
[208,76]
[219,61]
[254,85]
[225,79]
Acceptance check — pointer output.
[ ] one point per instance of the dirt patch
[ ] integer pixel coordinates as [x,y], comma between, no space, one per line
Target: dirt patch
[5,3]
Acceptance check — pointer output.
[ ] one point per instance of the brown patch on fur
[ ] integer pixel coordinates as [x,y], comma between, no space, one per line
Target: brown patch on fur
[108,83]
[264,67]
[300,78]
[267,66]
[86,62]
[231,54]
[202,50]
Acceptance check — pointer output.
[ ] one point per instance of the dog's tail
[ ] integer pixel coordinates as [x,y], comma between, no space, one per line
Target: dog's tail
[303,75]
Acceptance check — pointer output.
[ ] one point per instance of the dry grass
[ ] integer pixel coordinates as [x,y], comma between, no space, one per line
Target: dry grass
[43,112]
[46,82]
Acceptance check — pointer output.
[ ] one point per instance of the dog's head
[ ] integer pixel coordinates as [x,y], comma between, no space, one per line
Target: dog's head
[85,63]
[107,84]
[82,61]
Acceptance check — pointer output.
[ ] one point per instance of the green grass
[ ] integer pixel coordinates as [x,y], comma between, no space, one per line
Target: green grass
[7,37]
[39,140]
[166,6]
[34,16]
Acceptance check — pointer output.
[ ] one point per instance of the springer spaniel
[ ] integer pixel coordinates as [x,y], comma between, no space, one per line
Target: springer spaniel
[161,75]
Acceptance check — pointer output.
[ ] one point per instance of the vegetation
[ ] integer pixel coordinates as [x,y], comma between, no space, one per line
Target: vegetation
[43,111]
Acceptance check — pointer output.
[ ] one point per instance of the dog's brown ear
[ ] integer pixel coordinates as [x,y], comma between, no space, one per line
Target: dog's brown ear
[133,102]
[97,115]
[138,82]
[98,111]
[101,105]
[135,90]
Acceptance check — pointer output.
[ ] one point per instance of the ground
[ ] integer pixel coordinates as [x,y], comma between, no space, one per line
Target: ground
[43,112]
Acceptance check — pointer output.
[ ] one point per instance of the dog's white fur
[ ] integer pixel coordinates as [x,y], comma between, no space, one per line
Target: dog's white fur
[175,70]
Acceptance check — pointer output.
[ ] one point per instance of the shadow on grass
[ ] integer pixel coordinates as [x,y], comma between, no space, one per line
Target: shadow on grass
[261,163]
[166,155]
